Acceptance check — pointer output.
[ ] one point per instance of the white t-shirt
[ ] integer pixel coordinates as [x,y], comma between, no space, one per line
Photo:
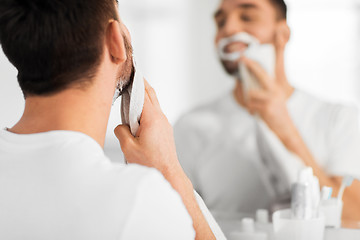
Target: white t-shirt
[218,147]
[60,185]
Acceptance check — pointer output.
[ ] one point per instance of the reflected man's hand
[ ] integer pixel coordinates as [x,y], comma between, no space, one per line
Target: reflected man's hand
[270,101]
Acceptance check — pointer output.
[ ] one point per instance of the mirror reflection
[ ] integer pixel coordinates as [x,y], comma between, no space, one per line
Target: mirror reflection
[263,97]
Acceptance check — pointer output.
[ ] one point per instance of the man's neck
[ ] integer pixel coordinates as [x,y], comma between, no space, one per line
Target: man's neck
[72,110]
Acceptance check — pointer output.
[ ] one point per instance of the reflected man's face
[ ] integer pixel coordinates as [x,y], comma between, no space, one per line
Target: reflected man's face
[257,17]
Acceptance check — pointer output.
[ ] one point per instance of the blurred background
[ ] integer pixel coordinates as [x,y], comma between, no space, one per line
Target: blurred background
[173,43]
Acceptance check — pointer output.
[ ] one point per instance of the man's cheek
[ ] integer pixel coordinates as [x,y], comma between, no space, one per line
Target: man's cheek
[265,35]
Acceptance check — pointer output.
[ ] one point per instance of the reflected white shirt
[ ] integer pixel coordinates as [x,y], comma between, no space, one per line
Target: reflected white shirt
[218,149]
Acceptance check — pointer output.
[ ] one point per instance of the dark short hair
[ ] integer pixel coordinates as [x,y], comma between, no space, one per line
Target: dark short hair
[54,44]
[281,8]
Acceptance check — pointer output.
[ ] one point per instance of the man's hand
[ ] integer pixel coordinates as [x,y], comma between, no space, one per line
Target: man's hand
[269,102]
[154,144]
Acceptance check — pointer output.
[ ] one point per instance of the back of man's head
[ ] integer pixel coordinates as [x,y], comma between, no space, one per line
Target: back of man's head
[54,44]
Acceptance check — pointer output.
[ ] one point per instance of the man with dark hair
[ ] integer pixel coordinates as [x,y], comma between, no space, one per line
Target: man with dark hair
[55,181]
[227,147]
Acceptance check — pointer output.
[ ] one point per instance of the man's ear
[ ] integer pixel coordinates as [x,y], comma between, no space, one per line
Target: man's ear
[283,31]
[115,42]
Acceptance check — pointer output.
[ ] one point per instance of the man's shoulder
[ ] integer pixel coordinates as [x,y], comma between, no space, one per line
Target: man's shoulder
[309,100]
[323,110]
[139,178]
[131,182]
[131,174]
[157,206]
